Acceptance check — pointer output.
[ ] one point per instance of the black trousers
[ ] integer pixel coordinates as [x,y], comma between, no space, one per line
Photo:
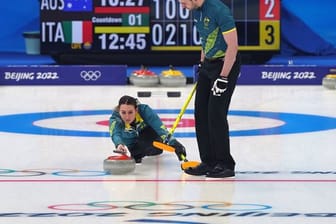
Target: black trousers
[144,144]
[212,128]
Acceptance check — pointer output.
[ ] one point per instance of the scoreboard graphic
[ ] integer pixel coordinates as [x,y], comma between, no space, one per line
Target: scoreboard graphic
[124,26]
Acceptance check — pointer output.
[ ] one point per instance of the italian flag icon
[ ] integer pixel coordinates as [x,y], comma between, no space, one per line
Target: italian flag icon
[77,32]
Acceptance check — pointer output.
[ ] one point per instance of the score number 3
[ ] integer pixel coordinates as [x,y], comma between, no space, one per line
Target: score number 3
[269,23]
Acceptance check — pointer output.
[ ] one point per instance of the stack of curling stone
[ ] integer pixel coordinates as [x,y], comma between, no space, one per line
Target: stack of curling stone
[144,78]
[329,81]
[119,164]
[172,78]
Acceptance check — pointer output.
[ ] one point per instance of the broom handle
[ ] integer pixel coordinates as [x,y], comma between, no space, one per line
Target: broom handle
[183,109]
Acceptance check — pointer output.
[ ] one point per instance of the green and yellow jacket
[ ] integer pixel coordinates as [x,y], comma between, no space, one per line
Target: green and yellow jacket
[127,134]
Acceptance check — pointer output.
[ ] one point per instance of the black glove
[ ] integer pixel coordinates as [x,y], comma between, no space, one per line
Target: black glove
[219,86]
[179,149]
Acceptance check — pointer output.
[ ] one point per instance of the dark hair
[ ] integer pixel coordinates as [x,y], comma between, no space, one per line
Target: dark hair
[128,100]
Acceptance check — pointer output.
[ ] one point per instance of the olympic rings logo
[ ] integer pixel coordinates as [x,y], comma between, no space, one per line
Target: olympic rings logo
[53,172]
[90,75]
[159,207]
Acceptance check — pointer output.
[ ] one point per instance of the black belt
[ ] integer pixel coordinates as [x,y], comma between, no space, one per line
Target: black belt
[211,60]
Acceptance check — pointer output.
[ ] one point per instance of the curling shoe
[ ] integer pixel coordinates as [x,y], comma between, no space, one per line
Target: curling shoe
[220,171]
[200,170]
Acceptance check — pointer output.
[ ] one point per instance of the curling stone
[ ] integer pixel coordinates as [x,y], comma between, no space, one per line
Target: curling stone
[329,81]
[172,78]
[119,164]
[144,78]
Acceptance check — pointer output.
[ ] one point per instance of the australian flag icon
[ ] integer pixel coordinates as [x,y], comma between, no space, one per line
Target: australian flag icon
[78,5]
